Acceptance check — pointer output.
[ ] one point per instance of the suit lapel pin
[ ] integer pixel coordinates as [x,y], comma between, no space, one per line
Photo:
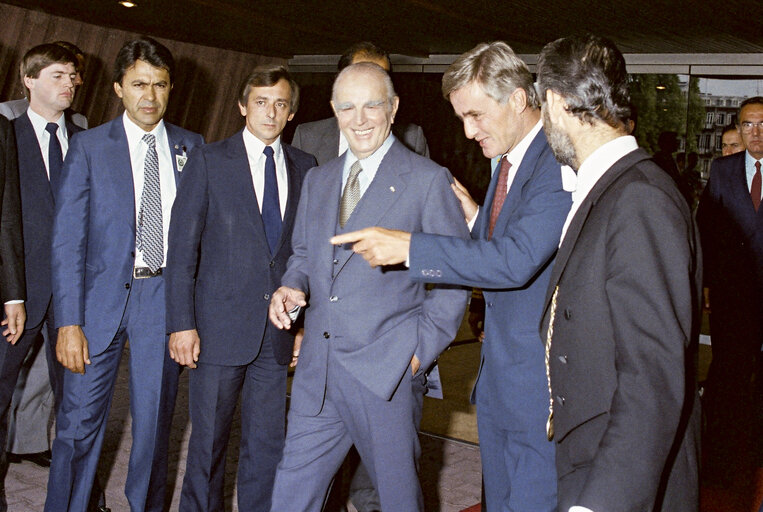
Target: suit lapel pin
[391,189]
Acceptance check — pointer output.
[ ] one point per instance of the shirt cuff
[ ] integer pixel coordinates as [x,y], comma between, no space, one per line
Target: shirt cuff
[15,301]
[471,223]
[578,508]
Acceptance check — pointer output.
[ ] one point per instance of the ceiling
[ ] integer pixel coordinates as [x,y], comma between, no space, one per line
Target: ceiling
[420,28]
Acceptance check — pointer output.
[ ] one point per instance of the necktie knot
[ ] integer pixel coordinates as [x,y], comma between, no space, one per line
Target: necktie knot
[355,169]
[268,151]
[150,140]
[51,128]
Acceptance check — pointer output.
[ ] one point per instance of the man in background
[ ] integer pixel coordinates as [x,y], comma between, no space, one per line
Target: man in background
[229,243]
[731,141]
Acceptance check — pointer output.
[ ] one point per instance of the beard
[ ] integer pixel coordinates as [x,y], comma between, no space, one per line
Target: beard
[560,142]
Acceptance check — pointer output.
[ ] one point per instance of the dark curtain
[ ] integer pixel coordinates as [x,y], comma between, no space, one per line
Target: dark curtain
[205,86]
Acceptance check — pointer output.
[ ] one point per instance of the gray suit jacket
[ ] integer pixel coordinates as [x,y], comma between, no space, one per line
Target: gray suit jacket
[371,320]
[15,108]
[321,138]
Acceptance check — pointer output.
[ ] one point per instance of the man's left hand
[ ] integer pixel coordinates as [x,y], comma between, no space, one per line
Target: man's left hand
[415,364]
[15,318]
[378,246]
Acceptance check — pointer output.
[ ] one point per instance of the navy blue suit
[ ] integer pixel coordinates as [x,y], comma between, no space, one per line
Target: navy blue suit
[513,269]
[220,275]
[93,255]
[732,246]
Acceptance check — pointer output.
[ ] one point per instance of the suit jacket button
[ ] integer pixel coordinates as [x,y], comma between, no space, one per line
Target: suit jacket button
[490,304]
[127,286]
[326,335]
[567,313]
[132,254]
[272,264]
[333,298]
[336,261]
[563,359]
[266,296]
[560,399]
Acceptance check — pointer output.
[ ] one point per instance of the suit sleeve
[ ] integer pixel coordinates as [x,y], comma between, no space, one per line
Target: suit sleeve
[70,229]
[189,212]
[443,308]
[508,260]
[420,145]
[12,278]
[651,297]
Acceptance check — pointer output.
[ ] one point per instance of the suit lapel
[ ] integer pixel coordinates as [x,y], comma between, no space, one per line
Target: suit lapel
[292,199]
[578,221]
[177,148]
[30,158]
[119,155]
[242,186]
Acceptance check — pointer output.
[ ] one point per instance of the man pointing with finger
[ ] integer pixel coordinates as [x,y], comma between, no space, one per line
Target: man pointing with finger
[368,332]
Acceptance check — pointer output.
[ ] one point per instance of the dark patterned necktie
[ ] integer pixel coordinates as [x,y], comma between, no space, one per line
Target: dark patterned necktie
[755,187]
[351,194]
[501,191]
[55,157]
[150,229]
[271,206]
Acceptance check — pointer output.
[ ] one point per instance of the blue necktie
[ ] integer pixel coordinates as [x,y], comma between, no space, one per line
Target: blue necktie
[55,157]
[150,224]
[271,207]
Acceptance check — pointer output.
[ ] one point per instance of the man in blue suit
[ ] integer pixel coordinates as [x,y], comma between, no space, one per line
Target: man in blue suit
[514,239]
[108,250]
[230,240]
[731,225]
[368,332]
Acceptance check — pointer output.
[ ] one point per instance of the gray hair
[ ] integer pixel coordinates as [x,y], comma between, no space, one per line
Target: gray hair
[367,67]
[496,68]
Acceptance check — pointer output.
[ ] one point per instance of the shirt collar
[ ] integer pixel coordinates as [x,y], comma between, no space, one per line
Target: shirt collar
[749,160]
[517,153]
[39,123]
[599,162]
[135,133]
[255,146]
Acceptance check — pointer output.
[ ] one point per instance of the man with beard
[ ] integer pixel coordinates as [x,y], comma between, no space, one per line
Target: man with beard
[514,239]
[621,315]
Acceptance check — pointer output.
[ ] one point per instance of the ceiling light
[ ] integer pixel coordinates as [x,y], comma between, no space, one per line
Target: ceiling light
[659,87]
[127,3]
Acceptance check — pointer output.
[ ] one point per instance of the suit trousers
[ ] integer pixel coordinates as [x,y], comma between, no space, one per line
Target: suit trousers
[518,468]
[383,431]
[83,413]
[214,391]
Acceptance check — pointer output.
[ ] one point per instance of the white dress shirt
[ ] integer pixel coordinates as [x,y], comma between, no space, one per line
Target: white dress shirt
[167,185]
[749,168]
[43,136]
[594,168]
[343,144]
[256,157]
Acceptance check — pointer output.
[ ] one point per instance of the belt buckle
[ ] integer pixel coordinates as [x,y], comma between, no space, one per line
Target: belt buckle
[145,272]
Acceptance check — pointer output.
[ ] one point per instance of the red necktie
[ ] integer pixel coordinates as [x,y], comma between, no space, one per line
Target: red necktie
[501,190]
[754,187]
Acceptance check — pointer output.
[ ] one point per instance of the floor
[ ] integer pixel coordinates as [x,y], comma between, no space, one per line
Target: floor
[450,469]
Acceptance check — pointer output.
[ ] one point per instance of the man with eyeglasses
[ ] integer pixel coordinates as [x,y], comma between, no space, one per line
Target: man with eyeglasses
[731,225]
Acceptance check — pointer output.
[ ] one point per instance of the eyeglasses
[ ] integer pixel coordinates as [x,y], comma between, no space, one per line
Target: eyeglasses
[747,126]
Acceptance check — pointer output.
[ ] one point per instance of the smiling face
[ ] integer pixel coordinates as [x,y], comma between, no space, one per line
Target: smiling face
[145,91]
[363,110]
[495,126]
[267,110]
[52,91]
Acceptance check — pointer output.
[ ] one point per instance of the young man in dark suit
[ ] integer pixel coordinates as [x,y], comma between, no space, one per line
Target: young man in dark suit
[230,240]
[621,316]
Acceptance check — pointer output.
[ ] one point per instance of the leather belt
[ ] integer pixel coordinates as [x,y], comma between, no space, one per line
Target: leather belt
[145,272]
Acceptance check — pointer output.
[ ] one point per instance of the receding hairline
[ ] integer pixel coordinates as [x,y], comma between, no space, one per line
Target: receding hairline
[365,69]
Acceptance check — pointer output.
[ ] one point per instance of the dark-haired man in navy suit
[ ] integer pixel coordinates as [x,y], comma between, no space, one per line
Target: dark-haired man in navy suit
[230,240]
[731,224]
[108,251]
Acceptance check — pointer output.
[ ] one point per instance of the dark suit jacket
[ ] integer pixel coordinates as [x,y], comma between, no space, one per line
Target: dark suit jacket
[12,282]
[513,268]
[371,320]
[732,244]
[93,247]
[626,410]
[321,138]
[37,208]
[220,272]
